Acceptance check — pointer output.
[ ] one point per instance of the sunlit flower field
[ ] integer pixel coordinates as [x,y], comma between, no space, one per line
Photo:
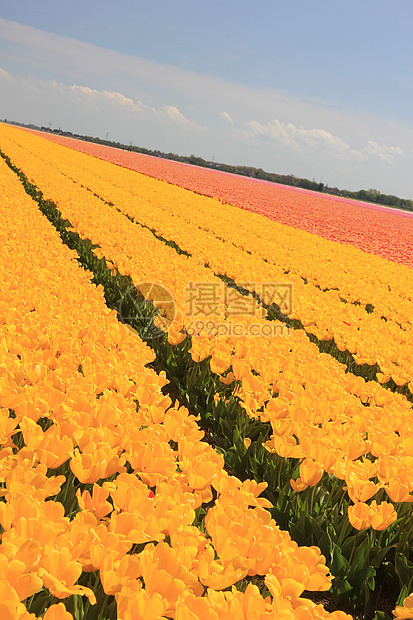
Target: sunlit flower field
[206,410]
[373,228]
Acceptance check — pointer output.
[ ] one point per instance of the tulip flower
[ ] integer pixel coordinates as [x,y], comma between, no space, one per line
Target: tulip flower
[359,515]
[404,611]
[382,515]
[57,612]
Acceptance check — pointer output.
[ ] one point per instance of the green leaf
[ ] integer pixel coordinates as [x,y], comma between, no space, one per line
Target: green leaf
[324,544]
[378,555]
[404,569]
[297,535]
[342,586]
[362,556]
[381,615]
[403,593]
[316,529]
[339,564]
[39,602]
[367,575]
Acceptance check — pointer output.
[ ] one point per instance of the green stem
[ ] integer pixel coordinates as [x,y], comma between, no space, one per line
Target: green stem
[353,548]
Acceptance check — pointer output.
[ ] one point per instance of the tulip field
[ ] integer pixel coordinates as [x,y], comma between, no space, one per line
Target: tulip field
[372,228]
[206,390]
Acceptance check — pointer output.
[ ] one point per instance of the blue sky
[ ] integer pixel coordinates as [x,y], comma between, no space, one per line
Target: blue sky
[318,88]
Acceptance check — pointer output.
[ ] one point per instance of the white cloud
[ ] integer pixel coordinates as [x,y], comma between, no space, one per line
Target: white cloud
[172,113]
[5,75]
[299,137]
[227,117]
[116,99]
[94,96]
[384,152]
[119,99]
